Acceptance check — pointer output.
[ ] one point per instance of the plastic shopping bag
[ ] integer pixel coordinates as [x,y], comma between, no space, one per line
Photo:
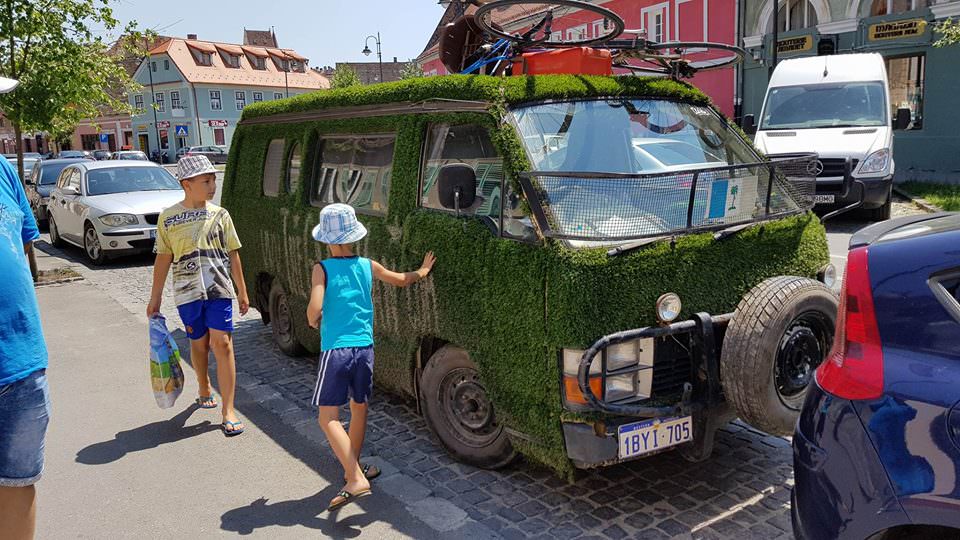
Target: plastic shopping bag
[165,373]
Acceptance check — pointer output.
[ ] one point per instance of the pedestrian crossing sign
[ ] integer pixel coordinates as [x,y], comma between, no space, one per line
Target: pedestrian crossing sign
[181,131]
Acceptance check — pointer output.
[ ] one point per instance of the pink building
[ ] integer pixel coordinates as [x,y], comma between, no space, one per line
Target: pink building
[663,21]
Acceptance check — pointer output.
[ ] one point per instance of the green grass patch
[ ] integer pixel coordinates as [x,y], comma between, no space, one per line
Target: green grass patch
[946,196]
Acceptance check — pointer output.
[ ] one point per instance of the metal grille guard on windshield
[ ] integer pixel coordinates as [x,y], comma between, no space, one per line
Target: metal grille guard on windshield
[615,207]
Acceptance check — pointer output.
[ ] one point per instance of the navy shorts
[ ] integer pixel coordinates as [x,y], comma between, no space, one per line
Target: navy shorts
[344,374]
[24,413]
[201,315]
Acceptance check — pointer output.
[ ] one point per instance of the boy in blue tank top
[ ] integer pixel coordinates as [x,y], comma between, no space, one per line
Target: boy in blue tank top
[341,306]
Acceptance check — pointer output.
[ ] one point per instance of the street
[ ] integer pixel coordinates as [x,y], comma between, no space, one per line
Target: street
[158,470]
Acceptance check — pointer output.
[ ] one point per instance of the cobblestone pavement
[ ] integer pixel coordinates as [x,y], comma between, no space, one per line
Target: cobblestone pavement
[743,491]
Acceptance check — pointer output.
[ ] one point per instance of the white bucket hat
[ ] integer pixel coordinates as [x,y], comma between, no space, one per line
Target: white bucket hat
[338,225]
[7,85]
[190,166]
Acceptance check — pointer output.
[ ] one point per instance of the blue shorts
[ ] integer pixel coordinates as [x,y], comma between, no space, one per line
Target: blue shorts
[24,413]
[201,315]
[344,374]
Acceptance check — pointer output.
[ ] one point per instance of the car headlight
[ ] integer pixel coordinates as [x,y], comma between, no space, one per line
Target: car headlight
[876,162]
[118,220]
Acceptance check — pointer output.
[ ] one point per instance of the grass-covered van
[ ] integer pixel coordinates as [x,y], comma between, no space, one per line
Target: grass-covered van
[619,272]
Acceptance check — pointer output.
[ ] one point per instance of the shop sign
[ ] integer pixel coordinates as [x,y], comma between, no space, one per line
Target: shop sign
[217,123]
[897,29]
[794,45]
[163,124]
[142,127]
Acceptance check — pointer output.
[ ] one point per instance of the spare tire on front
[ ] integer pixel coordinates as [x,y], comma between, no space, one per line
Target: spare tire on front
[781,331]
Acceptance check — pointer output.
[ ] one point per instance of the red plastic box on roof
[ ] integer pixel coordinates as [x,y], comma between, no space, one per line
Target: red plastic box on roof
[574,61]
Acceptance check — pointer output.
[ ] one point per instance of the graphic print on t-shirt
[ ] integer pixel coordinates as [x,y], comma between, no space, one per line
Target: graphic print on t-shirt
[201,241]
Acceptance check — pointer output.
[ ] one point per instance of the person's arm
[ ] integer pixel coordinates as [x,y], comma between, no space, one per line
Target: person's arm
[405,279]
[318,283]
[161,267]
[236,272]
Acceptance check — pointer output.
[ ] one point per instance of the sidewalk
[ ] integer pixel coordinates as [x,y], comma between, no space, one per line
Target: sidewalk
[117,466]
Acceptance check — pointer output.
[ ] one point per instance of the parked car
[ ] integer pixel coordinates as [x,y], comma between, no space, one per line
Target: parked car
[28,164]
[182,152]
[877,446]
[110,208]
[35,155]
[100,155]
[133,155]
[67,154]
[216,154]
[42,181]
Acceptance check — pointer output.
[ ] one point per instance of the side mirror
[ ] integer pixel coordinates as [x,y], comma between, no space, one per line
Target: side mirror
[69,190]
[457,186]
[902,119]
[749,124]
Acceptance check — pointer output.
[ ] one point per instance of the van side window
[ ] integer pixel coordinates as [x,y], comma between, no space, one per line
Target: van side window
[293,168]
[273,168]
[355,170]
[468,144]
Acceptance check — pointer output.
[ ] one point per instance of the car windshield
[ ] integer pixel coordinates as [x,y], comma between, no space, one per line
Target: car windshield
[854,104]
[606,171]
[126,179]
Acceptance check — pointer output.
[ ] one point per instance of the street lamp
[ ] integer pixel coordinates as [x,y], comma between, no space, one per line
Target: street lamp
[366,51]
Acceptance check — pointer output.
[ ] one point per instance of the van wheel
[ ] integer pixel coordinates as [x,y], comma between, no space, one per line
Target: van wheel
[281,322]
[882,213]
[459,412]
[781,331]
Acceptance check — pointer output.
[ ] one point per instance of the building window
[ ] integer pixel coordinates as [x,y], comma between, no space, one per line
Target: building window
[161,106]
[166,65]
[257,97]
[153,67]
[241,99]
[231,61]
[577,33]
[278,95]
[257,62]
[654,20]
[892,7]
[175,100]
[906,78]
[215,100]
[202,58]
[138,103]
[89,142]
[796,15]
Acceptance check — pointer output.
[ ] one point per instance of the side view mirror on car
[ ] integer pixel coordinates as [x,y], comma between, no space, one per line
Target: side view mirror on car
[457,187]
[69,191]
[749,124]
[902,119]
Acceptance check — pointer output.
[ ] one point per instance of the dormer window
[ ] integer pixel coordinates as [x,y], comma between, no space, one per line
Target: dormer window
[257,62]
[202,58]
[231,61]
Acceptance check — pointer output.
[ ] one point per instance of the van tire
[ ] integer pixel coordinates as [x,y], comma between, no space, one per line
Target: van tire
[781,331]
[458,411]
[284,332]
[881,213]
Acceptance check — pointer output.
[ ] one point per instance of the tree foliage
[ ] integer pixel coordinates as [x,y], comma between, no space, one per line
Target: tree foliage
[65,71]
[949,32]
[345,77]
[411,70]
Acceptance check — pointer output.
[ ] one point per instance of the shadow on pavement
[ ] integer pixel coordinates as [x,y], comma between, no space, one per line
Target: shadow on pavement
[144,438]
[76,255]
[301,512]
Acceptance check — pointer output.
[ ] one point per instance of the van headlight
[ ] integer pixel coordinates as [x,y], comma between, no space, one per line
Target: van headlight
[118,220]
[876,162]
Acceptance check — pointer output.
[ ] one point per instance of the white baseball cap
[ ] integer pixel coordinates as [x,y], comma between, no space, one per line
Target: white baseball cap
[7,85]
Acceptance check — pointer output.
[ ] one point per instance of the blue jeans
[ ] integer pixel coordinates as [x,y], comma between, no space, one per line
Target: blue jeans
[24,413]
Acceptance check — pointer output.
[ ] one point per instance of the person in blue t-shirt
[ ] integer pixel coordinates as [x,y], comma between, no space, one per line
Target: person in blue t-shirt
[341,305]
[24,398]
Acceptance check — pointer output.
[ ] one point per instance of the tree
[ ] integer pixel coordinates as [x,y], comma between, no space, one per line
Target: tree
[345,77]
[949,32]
[64,70]
[411,70]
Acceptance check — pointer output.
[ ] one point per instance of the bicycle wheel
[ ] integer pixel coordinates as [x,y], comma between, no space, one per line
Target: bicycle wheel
[558,23]
[681,59]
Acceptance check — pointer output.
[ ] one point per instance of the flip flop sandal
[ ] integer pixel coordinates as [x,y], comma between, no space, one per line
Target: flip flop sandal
[206,402]
[369,471]
[231,432]
[346,498]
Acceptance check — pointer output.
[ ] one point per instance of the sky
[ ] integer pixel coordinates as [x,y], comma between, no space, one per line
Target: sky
[325,31]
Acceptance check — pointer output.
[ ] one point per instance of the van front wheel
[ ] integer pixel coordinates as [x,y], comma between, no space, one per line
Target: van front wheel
[459,412]
[281,322]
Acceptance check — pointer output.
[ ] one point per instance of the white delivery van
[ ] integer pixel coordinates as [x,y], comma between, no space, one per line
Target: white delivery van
[838,107]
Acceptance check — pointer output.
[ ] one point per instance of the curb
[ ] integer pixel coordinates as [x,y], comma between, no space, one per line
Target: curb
[922,203]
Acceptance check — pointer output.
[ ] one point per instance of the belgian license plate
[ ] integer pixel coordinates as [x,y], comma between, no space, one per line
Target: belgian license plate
[824,199]
[650,435]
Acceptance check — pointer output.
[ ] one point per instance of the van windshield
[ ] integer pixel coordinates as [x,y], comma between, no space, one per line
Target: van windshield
[853,104]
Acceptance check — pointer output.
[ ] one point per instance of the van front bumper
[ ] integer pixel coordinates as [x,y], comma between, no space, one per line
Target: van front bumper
[876,191]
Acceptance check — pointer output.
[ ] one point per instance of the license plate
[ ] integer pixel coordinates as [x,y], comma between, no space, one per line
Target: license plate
[651,435]
[153,234]
[824,199]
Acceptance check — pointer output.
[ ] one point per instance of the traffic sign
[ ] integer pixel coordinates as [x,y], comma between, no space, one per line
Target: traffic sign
[104,137]
[181,131]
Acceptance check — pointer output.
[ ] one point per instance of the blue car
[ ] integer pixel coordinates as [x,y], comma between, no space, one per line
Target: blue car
[877,445]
